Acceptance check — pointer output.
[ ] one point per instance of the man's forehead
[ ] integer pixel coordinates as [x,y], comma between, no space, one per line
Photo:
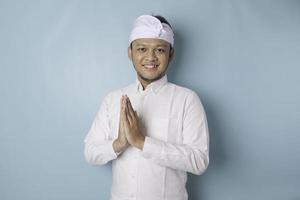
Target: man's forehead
[150,42]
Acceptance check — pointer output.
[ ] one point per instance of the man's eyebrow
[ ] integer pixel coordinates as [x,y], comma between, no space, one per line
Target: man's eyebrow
[145,44]
[162,45]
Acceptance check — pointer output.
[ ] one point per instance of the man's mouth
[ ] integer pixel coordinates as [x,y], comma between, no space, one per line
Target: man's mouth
[150,66]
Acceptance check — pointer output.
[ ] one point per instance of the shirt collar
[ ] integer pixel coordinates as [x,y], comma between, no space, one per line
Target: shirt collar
[155,86]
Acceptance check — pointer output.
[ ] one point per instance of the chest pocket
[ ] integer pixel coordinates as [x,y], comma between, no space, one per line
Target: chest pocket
[163,128]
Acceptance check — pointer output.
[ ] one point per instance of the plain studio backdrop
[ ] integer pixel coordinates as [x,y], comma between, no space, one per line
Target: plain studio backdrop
[59,58]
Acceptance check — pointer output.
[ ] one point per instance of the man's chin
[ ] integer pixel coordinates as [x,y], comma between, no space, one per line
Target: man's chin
[150,79]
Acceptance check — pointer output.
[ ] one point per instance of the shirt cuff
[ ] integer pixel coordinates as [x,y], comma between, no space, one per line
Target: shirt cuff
[152,147]
[112,151]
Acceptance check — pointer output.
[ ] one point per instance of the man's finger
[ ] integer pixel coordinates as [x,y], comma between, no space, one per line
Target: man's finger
[128,117]
[130,111]
[122,108]
[130,105]
[121,104]
[135,113]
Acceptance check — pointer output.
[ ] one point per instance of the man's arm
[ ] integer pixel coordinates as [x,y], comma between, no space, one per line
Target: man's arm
[99,146]
[193,154]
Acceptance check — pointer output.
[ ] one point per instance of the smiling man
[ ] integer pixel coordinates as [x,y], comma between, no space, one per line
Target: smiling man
[153,131]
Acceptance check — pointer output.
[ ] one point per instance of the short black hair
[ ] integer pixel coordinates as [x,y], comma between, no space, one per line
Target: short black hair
[162,19]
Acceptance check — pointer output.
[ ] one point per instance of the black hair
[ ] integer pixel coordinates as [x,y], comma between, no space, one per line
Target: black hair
[162,19]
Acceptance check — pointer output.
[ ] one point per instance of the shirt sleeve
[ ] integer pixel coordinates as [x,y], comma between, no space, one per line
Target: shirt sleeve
[98,149]
[193,154]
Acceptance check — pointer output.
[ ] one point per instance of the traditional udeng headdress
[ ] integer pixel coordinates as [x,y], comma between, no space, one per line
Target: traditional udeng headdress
[147,26]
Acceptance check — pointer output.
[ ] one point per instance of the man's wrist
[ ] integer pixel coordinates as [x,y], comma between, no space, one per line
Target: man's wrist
[119,145]
[139,142]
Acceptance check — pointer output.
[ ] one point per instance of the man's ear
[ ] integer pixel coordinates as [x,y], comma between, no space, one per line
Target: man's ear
[129,51]
[172,53]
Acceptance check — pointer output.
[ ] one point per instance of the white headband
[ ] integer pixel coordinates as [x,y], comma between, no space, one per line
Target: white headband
[147,26]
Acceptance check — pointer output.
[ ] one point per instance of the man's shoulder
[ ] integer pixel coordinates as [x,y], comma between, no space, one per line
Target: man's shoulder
[185,94]
[181,90]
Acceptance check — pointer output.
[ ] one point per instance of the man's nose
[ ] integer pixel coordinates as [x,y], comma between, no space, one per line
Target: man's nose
[151,56]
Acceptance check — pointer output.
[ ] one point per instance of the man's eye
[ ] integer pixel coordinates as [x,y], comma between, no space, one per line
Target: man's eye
[142,49]
[160,50]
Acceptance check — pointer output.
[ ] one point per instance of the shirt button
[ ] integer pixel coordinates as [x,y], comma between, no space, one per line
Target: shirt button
[132,195]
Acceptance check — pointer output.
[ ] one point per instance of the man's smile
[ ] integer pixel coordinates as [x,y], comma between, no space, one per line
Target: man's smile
[150,66]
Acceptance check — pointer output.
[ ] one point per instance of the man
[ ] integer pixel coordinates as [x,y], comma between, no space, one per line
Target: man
[153,131]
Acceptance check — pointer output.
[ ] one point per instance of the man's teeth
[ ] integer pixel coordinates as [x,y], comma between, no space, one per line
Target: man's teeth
[150,66]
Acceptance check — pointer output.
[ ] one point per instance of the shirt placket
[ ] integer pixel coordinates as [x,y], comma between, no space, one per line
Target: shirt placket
[134,195]
[142,96]
[133,177]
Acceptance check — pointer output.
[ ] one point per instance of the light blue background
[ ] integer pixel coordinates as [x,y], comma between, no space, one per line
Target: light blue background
[59,58]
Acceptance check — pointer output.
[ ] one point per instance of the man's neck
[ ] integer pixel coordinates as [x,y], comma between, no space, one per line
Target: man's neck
[145,83]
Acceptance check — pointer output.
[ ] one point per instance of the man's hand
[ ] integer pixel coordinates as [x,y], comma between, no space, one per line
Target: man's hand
[121,143]
[131,126]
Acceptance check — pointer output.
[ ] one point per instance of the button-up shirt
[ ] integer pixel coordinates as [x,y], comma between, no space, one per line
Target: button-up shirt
[174,123]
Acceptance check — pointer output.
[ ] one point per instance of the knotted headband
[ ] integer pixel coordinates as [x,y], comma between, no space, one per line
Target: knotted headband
[147,26]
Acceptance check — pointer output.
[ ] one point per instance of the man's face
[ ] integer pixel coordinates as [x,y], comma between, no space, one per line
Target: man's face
[150,58]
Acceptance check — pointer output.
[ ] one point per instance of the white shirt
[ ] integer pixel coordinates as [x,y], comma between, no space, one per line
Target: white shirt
[177,141]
